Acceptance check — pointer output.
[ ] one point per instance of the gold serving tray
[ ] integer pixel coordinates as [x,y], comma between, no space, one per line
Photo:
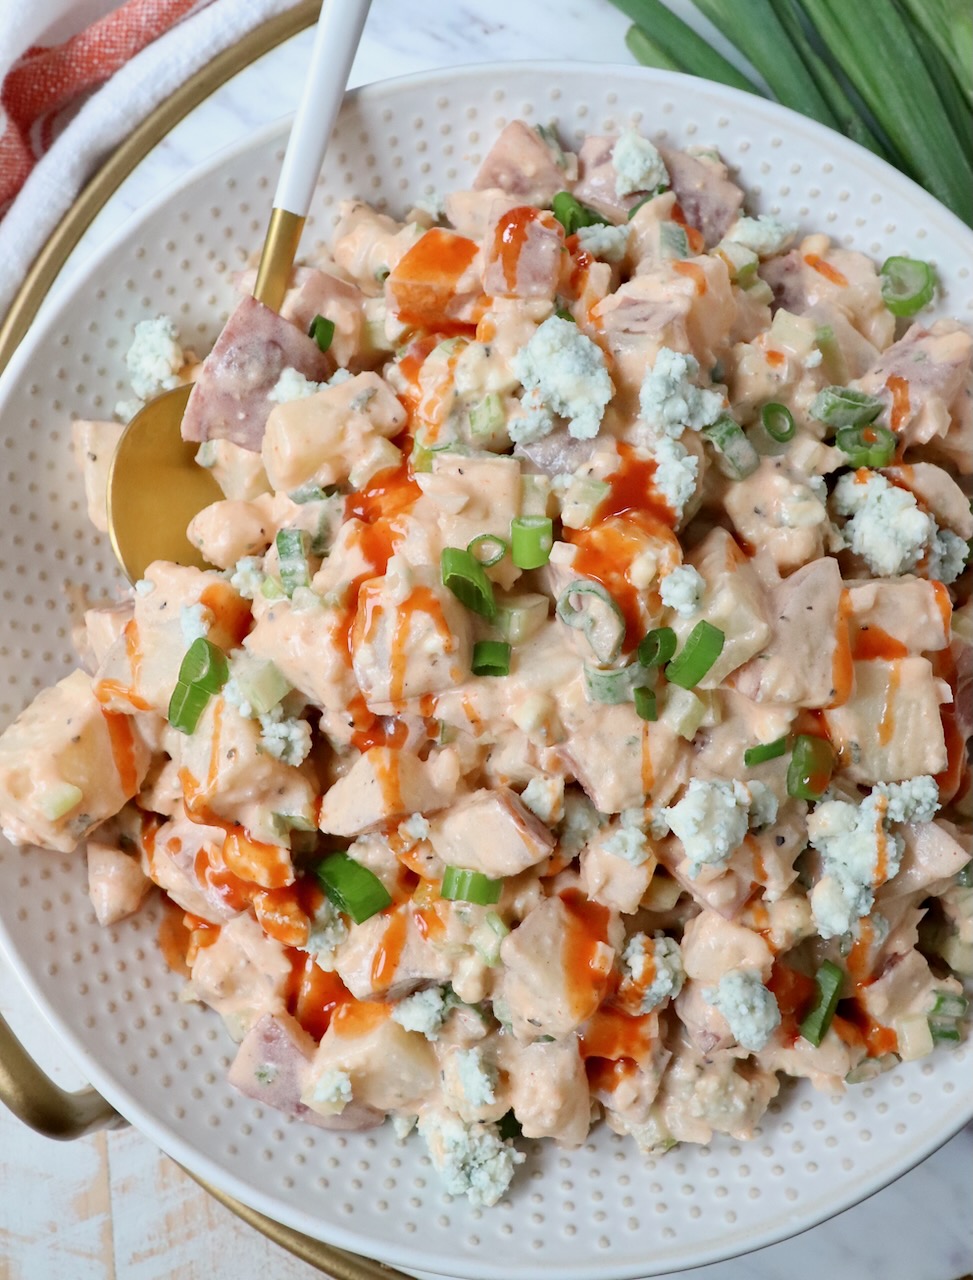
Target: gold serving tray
[24,1088]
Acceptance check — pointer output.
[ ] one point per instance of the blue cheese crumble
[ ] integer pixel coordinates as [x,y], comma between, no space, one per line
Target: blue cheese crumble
[947,556]
[605,242]
[247,577]
[331,1092]
[652,968]
[711,820]
[750,1010]
[472,1159]
[669,399]
[292,385]
[476,1078]
[564,372]
[424,1011]
[682,590]
[287,738]
[676,473]
[327,932]
[154,358]
[764,235]
[628,840]
[195,621]
[544,797]
[638,165]
[885,526]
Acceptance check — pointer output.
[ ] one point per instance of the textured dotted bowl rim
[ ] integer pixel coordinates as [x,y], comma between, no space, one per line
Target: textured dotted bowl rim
[887,1162]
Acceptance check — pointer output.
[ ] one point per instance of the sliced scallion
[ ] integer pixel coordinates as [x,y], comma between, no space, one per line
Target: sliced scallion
[531,540]
[461,885]
[737,458]
[829,979]
[491,658]
[778,422]
[292,558]
[949,1004]
[646,707]
[907,285]
[205,665]
[187,704]
[322,331]
[488,549]
[573,215]
[586,606]
[352,888]
[845,407]
[765,751]
[563,313]
[611,687]
[811,766]
[964,877]
[703,646]
[463,574]
[867,446]
[656,648]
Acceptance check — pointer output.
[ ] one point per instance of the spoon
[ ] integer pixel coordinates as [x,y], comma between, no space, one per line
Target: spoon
[155,486]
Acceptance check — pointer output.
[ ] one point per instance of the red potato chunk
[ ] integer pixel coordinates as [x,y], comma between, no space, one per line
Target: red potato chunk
[523,254]
[526,165]
[385,784]
[393,954]
[436,282]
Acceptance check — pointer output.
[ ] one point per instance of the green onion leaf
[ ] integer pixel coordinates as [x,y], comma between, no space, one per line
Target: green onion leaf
[322,331]
[811,766]
[563,313]
[678,43]
[573,215]
[461,885]
[949,1004]
[645,703]
[964,877]
[187,704]
[488,549]
[491,658]
[778,422]
[656,648]
[944,1030]
[205,665]
[531,539]
[611,687]
[463,574]
[737,458]
[765,751]
[703,646]
[596,614]
[867,446]
[829,979]
[352,888]
[292,558]
[845,407]
[907,285]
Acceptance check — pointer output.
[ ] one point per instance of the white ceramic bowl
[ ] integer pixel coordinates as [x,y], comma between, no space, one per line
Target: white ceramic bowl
[600,1212]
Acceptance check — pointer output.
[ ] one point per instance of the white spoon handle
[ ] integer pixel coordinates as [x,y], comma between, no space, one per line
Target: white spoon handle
[335,44]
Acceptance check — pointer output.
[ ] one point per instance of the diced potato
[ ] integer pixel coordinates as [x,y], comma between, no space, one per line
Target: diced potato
[390,955]
[911,610]
[116,882]
[390,1068]
[385,784]
[548,1089]
[242,975]
[491,832]
[464,497]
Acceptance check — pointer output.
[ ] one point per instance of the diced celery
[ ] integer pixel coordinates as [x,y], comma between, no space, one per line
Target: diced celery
[486,417]
[871,1068]
[673,241]
[375,340]
[796,333]
[487,937]
[662,894]
[259,681]
[949,1004]
[913,1036]
[535,495]
[760,292]
[582,499]
[683,711]
[206,454]
[520,616]
[741,262]
[833,361]
[59,799]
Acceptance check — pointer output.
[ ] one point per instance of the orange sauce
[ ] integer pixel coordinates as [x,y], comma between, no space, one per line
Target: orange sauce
[648,772]
[202,934]
[389,951]
[794,993]
[358,1017]
[953,779]
[428,922]
[213,770]
[612,1034]
[842,666]
[886,726]
[231,611]
[901,404]
[694,237]
[279,914]
[587,927]
[312,995]
[605,1075]
[267,865]
[424,282]
[383,731]
[122,739]
[775,359]
[944,604]
[694,272]
[877,1039]
[420,600]
[825,269]
[386,765]
[873,642]
[509,239]
[173,936]
[859,963]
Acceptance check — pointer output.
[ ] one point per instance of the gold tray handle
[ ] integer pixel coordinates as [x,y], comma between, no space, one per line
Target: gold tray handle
[41,1104]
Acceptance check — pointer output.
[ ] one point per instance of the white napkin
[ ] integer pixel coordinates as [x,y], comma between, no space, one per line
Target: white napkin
[110,114]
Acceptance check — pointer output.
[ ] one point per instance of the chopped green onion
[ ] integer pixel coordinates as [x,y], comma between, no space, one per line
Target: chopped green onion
[737,456]
[420,459]
[486,417]
[563,313]
[867,446]
[520,617]
[778,422]
[312,493]
[656,648]
[702,648]
[949,1004]
[829,979]
[488,549]
[870,1068]
[462,885]
[573,215]
[765,751]
[463,574]
[531,539]
[352,888]
[645,703]
[845,407]
[611,687]
[205,665]
[907,285]
[292,558]
[491,658]
[964,877]
[811,766]
[322,331]
[508,1127]
[187,704]
[645,200]
[944,1029]
[598,616]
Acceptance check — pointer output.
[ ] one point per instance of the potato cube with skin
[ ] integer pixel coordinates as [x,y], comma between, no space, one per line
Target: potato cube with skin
[390,955]
[320,438]
[242,975]
[390,1069]
[775,510]
[548,1089]
[492,832]
[733,601]
[613,880]
[386,784]
[94,446]
[912,611]
[309,648]
[890,728]
[712,946]
[411,637]
[619,759]
[556,966]
[67,764]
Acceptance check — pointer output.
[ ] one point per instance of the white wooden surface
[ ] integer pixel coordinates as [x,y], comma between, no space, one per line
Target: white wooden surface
[111,1207]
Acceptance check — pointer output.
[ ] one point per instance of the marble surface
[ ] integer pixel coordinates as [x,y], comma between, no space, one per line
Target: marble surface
[111,1205]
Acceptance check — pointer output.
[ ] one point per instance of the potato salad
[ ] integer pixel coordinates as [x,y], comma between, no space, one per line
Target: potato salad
[569,726]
